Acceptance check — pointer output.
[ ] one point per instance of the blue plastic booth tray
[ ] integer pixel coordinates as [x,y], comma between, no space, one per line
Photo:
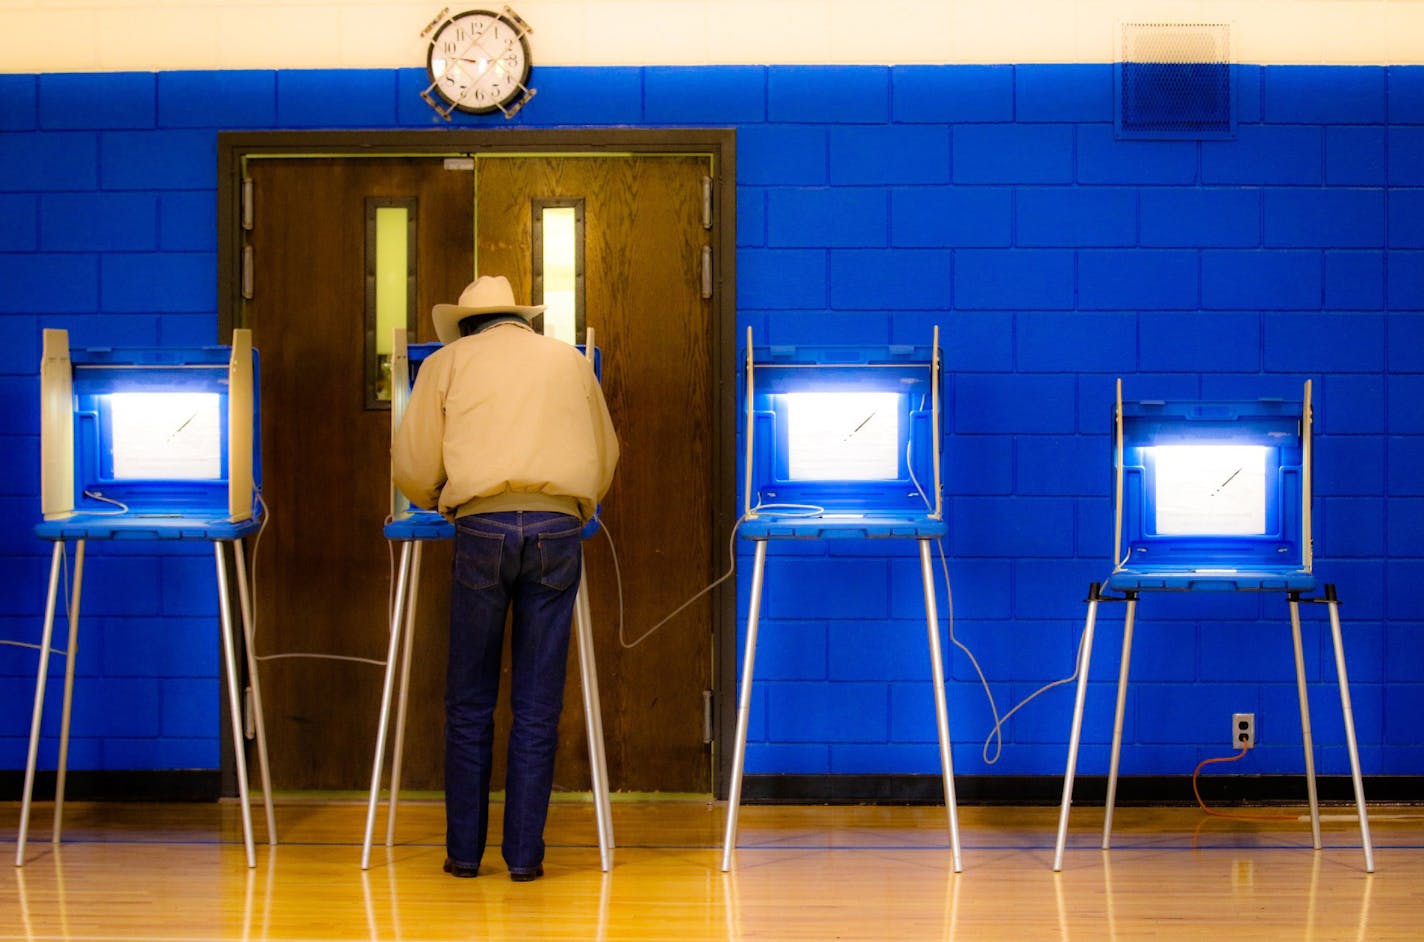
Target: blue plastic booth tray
[421,525]
[772,526]
[1204,580]
[83,526]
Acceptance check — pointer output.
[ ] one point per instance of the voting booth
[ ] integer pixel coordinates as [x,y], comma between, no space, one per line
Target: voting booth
[841,442]
[411,527]
[149,443]
[1212,497]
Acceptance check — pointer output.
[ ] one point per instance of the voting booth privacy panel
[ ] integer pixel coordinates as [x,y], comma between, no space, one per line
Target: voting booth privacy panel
[841,434]
[1212,496]
[162,435]
[406,520]
[149,443]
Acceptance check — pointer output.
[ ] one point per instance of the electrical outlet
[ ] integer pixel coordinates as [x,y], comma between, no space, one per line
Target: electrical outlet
[1243,730]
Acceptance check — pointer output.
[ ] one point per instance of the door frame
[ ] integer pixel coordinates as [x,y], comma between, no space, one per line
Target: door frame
[234,148]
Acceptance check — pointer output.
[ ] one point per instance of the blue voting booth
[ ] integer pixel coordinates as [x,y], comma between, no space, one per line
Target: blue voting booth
[1212,497]
[149,444]
[411,527]
[841,442]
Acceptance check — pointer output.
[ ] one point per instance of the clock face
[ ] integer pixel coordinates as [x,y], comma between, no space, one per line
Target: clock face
[478,61]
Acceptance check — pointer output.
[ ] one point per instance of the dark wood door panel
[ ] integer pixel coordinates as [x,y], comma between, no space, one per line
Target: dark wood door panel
[642,274]
[323,566]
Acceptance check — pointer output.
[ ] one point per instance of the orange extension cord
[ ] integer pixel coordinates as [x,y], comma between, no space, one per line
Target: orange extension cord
[1223,814]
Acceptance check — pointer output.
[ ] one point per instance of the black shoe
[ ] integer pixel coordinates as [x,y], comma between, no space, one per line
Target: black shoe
[461,870]
[525,874]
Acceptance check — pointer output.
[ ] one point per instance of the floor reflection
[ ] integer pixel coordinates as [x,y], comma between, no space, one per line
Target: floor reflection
[863,874]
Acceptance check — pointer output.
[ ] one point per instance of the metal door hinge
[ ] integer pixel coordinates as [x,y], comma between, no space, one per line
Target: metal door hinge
[459,163]
[249,715]
[247,275]
[248,198]
[709,719]
[707,202]
[706,271]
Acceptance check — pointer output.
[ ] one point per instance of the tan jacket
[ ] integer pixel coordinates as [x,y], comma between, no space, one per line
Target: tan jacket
[506,419]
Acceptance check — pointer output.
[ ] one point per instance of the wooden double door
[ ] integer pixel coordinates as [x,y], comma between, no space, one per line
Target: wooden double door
[323,570]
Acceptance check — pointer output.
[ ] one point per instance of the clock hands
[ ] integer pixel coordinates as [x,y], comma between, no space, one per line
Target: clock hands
[485,62]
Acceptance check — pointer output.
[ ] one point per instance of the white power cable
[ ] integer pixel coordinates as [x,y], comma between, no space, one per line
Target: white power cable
[95,495]
[288,655]
[996,733]
[787,510]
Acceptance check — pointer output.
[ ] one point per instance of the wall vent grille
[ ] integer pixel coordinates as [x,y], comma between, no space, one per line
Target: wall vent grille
[1174,81]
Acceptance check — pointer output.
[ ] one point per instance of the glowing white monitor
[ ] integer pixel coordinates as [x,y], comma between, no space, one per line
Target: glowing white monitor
[843,436]
[166,436]
[1210,490]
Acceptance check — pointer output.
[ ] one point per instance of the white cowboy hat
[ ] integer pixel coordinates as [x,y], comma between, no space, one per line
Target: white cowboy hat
[487,294]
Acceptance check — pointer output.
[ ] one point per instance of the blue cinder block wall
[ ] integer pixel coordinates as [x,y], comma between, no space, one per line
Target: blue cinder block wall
[872,203]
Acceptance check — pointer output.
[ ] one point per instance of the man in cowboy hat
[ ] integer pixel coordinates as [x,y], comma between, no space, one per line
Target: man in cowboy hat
[507,433]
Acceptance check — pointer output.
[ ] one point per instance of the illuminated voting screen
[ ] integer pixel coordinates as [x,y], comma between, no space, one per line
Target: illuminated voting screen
[1210,489]
[843,436]
[166,436]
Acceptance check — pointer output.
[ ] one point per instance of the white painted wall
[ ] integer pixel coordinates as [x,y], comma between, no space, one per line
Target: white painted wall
[154,35]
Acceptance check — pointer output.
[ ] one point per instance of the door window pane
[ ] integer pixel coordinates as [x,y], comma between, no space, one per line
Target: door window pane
[390,288]
[558,267]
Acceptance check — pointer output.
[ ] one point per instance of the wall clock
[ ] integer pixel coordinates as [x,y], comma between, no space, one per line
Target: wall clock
[478,63]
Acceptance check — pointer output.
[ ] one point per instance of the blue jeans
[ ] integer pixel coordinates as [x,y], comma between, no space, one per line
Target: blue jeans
[532,561]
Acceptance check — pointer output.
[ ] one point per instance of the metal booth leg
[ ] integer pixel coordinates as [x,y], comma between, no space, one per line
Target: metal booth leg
[1068,773]
[1305,723]
[245,600]
[941,706]
[1334,605]
[234,699]
[744,703]
[46,639]
[71,655]
[392,652]
[593,721]
[1117,720]
[408,646]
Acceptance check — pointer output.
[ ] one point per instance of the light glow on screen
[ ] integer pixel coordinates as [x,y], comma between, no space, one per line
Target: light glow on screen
[843,436]
[1211,490]
[166,436]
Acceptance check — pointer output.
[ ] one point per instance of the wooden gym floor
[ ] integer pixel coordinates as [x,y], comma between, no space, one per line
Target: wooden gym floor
[177,872]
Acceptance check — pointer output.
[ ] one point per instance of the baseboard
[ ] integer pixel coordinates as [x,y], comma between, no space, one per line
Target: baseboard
[1087,789]
[143,785]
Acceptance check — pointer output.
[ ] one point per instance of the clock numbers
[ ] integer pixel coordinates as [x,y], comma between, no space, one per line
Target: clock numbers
[478,63]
